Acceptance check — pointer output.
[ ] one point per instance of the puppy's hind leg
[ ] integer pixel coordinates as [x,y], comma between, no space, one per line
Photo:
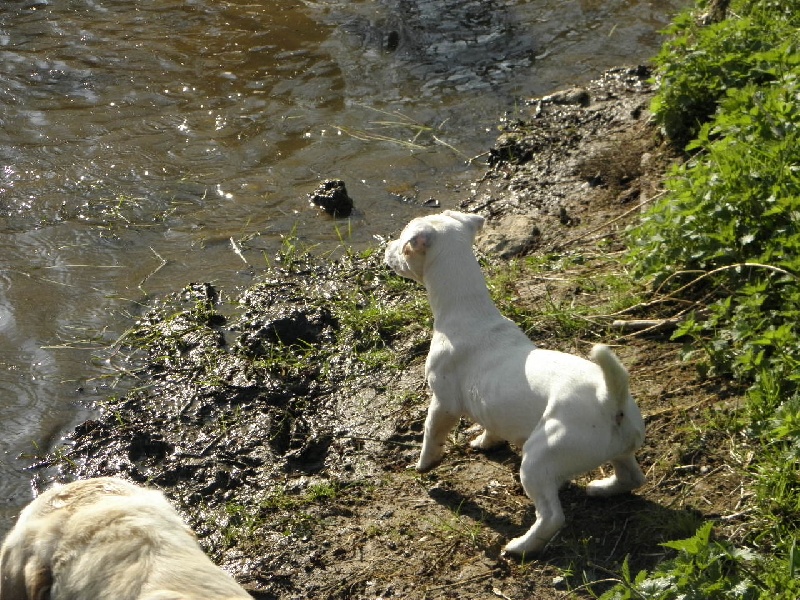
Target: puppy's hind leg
[438,424]
[541,484]
[627,476]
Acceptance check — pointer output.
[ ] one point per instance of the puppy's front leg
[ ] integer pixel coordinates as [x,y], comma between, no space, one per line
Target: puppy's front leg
[438,424]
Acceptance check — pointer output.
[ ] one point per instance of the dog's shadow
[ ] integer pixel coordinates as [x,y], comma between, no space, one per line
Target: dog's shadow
[599,531]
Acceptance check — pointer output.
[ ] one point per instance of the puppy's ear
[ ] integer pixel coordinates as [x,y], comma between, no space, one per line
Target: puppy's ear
[418,243]
[473,221]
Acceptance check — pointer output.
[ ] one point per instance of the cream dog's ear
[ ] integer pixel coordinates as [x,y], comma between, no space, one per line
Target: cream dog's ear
[22,579]
[38,580]
[418,243]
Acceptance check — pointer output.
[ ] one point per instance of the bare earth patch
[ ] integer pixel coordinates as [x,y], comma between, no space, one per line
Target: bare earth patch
[294,471]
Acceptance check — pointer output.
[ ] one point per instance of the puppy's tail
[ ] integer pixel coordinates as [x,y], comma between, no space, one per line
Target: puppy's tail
[614,373]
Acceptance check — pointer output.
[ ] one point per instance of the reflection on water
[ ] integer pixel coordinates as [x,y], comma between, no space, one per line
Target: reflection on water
[138,138]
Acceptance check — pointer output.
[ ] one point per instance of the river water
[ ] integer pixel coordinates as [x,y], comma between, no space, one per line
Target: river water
[146,145]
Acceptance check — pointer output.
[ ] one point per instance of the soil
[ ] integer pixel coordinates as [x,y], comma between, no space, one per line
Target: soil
[293,469]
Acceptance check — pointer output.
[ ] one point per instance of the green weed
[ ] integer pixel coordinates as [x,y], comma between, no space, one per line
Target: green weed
[700,63]
[706,569]
[277,510]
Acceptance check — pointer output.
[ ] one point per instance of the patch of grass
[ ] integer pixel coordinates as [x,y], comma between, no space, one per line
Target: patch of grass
[371,309]
[563,296]
[458,528]
[168,332]
[279,510]
[373,318]
[288,361]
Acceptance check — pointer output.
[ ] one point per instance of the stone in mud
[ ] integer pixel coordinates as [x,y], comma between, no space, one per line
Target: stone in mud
[332,197]
[510,237]
[577,96]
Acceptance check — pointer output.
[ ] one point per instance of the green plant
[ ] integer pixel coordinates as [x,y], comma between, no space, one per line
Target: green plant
[705,569]
[241,522]
[700,63]
[725,241]
[733,217]
[278,510]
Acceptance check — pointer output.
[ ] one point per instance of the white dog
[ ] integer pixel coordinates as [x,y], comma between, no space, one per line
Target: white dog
[569,415]
[107,539]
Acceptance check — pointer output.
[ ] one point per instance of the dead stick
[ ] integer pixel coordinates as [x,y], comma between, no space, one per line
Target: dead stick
[614,220]
[640,324]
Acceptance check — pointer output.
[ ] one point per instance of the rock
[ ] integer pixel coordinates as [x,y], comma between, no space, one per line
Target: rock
[511,236]
[574,96]
[332,197]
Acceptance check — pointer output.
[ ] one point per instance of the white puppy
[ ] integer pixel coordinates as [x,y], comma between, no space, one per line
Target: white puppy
[569,415]
[107,539]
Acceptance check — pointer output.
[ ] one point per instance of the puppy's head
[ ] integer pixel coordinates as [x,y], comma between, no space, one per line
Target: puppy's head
[425,238]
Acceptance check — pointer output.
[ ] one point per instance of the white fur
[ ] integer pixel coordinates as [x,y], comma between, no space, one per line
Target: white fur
[569,415]
[107,539]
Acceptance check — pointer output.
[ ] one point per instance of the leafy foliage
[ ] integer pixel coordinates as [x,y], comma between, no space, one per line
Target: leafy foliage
[706,569]
[725,239]
[734,211]
[700,63]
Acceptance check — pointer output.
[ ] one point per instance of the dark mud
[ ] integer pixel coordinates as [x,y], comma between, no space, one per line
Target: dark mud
[572,161]
[282,424]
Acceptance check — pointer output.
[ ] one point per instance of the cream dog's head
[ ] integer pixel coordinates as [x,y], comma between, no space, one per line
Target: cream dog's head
[107,538]
[425,237]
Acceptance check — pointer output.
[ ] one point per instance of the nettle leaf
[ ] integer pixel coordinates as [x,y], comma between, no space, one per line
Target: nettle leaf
[654,587]
[744,554]
[786,424]
[695,544]
[688,327]
[747,239]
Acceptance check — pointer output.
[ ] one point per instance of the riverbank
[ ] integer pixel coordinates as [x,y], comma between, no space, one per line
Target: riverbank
[282,422]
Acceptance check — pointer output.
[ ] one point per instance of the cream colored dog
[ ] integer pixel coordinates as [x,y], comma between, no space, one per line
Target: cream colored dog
[569,415]
[107,539]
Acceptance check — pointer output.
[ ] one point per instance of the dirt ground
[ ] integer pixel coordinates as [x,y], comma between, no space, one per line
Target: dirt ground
[298,483]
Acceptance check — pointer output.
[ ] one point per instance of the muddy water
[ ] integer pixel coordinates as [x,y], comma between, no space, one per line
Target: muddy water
[144,145]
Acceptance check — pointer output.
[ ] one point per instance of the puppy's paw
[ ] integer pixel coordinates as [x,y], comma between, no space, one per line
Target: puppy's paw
[423,466]
[524,545]
[485,441]
[610,486]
